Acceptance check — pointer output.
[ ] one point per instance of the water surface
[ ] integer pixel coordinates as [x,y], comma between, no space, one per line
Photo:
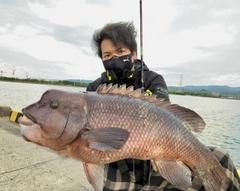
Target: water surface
[222,116]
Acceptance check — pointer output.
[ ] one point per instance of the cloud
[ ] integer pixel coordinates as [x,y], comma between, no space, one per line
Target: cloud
[198,13]
[79,36]
[100,2]
[198,40]
[219,66]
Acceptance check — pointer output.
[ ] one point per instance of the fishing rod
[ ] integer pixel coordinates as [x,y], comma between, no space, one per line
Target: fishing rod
[141,46]
[145,164]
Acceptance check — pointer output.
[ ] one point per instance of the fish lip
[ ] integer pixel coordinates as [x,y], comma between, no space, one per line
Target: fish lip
[29,116]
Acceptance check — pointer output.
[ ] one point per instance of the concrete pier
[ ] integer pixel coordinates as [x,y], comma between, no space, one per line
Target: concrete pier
[27,166]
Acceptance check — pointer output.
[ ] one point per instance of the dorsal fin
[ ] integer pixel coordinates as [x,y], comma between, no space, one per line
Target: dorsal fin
[189,117]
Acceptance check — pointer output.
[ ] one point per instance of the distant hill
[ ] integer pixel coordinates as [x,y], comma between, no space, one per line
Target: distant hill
[224,91]
[80,81]
[214,88]
[205,91]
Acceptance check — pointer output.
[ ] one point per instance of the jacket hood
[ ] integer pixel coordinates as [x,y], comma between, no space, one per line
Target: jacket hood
[137,65]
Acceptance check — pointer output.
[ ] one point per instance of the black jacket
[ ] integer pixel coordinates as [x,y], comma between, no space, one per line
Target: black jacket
[153,82]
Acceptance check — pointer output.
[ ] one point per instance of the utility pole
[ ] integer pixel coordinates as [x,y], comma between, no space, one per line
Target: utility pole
[180,83]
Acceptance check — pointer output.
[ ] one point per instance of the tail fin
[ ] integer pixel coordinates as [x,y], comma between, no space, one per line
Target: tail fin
[214,177]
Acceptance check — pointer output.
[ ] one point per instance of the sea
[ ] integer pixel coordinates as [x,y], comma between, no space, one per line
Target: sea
[222,116]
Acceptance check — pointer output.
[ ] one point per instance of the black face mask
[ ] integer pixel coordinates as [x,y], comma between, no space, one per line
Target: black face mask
[119,64]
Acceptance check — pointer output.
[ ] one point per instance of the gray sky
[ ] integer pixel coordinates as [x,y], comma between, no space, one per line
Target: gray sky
[199,40]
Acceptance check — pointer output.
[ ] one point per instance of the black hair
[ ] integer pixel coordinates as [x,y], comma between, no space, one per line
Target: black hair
[120,33]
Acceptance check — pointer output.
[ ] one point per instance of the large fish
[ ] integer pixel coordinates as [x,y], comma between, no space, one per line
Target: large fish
[118,123]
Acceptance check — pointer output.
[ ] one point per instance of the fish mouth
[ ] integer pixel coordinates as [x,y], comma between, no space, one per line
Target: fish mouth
[29,116]
[26,125]
[26,122]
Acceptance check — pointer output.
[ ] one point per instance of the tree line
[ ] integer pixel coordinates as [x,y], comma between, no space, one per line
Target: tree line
[42,81]
[80,84]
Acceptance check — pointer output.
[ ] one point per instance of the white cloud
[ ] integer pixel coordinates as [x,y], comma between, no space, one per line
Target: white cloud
[24,30]
[78,12]
[43,47]
[222,14]
[3,30]
[227,78]
[209,35]
[175,35]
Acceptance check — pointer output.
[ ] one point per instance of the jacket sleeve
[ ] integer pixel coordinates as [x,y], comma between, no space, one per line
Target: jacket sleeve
[94,85]
[106,78]
[155,84]
[90,88]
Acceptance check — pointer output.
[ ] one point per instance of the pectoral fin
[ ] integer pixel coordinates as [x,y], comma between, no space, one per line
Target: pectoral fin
[175,172]
[106,139]
[94,175]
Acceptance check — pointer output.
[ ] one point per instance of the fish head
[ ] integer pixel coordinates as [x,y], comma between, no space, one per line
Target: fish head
[55,120]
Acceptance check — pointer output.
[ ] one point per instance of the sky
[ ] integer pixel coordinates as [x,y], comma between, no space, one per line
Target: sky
[188,42]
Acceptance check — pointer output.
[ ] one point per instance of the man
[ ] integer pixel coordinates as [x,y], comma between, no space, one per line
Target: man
[115,44]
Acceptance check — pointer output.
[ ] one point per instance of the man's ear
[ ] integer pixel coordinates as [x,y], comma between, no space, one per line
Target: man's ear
[134,55]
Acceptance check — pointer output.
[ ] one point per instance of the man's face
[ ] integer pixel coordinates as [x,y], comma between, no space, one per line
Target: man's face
[109,50]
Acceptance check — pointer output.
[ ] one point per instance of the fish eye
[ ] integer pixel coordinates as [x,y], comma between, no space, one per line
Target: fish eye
[54,104]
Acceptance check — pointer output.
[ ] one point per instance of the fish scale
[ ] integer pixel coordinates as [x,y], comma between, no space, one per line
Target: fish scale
[119,123]
[127,121]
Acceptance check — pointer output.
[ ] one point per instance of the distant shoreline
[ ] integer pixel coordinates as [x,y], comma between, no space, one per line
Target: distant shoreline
[47,82]
[82,84]
[198,95]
